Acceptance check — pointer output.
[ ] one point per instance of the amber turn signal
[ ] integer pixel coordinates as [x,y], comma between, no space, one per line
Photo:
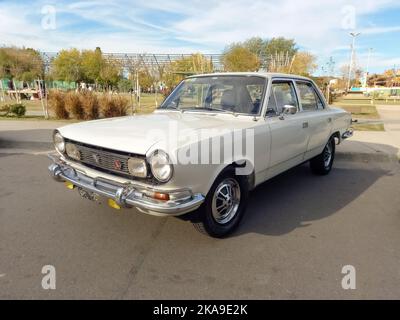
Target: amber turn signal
[161,196]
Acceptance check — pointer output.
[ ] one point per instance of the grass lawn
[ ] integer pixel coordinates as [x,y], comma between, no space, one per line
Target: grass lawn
[358,110]
[22,118]
[147,102]
[359,99]
[361,108]
[369,127]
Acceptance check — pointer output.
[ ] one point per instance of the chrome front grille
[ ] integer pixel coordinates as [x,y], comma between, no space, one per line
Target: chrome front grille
[102,159]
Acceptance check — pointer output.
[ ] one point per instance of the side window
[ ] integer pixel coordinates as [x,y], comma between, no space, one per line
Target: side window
[310,100]
[282,94]
[271,108]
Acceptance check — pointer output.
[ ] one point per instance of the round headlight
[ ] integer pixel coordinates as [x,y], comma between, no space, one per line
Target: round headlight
[160,166]
[59,143]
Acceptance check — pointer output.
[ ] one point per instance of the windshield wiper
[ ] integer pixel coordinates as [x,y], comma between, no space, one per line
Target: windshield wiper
[209,109]
[170,108]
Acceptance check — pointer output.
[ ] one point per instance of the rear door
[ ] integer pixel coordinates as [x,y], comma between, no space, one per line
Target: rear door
[318,117]
[289,133]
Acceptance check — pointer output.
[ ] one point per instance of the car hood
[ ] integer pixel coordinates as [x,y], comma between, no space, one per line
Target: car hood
[137,134]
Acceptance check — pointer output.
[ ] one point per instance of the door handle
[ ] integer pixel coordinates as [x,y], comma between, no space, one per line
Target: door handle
[329,119]
[305,125]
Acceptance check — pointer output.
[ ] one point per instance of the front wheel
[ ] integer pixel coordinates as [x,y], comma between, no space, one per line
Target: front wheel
[322,164]
[224,205]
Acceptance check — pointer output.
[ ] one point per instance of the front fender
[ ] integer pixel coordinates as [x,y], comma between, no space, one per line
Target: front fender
[197,170]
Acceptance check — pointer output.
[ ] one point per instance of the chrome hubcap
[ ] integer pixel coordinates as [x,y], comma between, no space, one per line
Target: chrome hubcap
[328,154]
[226,200]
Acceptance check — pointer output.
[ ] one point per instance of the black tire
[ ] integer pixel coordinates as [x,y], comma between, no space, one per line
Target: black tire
[320,164]
[207,222]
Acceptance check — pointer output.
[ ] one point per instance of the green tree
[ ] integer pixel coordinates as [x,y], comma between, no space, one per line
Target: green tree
[67,66]
[255,45]
[21,64]
[274,54]
[92,64]
[239,58]
[193,64]
[88,66]
[281,45]
[124,85]
[110,73]
[146,80]
[304,64]
[4,64]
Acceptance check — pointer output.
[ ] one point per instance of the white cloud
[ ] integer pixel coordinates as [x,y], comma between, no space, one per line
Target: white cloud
[314,24]
[196,25]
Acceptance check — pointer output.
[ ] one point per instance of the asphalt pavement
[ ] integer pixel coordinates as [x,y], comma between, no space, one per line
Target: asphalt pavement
[300,230]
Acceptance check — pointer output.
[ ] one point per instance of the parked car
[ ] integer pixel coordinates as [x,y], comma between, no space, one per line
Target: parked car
[282,120]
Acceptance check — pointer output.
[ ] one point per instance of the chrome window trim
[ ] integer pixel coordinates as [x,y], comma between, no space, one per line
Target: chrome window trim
[281,79]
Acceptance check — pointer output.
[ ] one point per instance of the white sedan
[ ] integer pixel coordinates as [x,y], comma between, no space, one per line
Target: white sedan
[212,141]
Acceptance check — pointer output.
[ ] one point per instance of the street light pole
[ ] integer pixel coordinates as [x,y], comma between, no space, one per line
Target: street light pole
[354,35]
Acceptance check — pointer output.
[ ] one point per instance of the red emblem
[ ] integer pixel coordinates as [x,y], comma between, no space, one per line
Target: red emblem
[117,165]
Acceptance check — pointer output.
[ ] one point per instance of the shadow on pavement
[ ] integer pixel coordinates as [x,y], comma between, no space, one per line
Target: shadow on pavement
[30,139]
[297,197]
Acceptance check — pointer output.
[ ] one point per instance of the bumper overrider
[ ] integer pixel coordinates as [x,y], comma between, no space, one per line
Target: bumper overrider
[347,134]
[126,195]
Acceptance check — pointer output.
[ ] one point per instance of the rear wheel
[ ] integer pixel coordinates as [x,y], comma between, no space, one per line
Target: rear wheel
[224,205]
[322,164]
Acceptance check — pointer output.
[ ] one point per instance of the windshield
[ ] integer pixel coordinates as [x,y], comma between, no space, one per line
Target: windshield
[238,94]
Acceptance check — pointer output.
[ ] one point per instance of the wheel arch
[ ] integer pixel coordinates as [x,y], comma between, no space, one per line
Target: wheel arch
[336,136]
[238,164]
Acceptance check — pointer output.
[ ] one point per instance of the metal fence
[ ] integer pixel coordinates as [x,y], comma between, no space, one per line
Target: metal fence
[154,62]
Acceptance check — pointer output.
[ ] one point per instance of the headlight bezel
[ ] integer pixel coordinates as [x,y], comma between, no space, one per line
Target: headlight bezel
[159,154]
[61,141]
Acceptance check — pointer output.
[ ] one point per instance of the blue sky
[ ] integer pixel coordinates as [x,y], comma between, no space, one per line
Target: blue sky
[161,26]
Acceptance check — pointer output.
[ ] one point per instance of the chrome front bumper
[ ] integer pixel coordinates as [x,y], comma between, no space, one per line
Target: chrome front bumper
[128,195]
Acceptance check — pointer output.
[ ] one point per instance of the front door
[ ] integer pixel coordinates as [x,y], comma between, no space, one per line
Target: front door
[289,133]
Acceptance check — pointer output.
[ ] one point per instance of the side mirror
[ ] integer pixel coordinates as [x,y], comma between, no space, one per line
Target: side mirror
[288,109]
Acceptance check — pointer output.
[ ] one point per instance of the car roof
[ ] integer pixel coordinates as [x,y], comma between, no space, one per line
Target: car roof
[260,74]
